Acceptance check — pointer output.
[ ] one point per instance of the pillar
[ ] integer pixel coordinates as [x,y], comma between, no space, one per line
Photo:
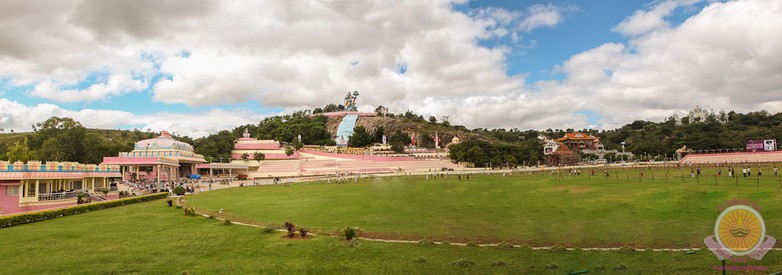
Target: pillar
[36,188]
[158,176]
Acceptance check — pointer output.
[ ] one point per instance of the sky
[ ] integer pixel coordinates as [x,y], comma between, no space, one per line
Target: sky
[195,67]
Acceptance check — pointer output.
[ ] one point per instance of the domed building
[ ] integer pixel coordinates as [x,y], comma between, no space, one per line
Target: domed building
[157,159]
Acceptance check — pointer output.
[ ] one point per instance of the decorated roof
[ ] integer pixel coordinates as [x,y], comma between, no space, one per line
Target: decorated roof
[164,141]
[577,136]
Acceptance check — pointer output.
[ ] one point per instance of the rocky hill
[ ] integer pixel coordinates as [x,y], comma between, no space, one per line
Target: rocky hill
[409,126]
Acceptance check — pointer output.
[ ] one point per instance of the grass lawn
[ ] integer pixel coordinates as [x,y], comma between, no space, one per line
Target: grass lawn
[626,209]
[151,238]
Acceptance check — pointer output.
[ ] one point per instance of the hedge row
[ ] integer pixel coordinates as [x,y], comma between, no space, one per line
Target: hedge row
[56,213]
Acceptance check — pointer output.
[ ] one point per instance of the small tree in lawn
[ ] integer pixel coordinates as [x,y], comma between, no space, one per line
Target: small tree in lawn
[258,156]
[105,192]
[288,151]
[350,233]
[245,156]
[291,229]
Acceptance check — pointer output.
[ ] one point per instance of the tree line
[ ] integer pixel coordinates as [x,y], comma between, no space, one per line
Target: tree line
[64,139]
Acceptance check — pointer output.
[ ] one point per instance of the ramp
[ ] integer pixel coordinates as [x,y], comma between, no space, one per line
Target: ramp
[345,127]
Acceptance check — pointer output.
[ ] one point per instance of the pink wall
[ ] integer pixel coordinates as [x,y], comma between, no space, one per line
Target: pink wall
[267,156]
[51,206]
[256,146]
[358,157]
[10,204]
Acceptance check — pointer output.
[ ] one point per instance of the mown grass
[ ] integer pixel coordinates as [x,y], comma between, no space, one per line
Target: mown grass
[152,238]
[626,209]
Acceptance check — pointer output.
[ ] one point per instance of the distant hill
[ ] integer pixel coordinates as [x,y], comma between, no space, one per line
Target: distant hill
[422,129]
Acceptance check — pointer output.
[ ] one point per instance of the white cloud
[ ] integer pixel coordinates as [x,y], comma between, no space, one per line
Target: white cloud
[541,16]
[311,53]
[114,85]
[645,21]
[20,118]
[724,57]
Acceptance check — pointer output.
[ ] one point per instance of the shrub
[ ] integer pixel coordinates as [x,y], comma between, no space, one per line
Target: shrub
[303,232]
[11,220]
[504,246]
[179,190]
[170,202]
[190,211]
[350,233]
[269,230]
[227,222]
[463,263]
[291,229]
[80,198]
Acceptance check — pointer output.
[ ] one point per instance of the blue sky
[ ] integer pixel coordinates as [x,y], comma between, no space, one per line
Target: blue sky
[542,64]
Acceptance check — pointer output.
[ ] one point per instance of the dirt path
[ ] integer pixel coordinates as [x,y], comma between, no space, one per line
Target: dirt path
[179,202]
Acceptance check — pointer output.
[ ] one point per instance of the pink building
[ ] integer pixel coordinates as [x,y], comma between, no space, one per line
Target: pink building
[35,186]
[157,159]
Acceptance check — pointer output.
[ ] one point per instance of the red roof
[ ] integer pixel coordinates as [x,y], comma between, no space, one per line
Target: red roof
[577,136]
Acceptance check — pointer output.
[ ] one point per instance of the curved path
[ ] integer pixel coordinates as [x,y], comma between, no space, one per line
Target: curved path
[180,202]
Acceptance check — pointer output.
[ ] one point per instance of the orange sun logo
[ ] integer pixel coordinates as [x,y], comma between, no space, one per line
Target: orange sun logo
[740,229]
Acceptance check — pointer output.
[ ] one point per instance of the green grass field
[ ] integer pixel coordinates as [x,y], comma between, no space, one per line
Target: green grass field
[151,238]
[538,210]
[541,209]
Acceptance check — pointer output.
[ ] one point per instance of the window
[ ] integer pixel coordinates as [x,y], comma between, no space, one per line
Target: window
[12,190]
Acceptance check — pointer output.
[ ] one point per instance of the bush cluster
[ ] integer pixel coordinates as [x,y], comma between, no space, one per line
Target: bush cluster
[190,211]
[179,190]
[350,233]
[12,220]
[291,229]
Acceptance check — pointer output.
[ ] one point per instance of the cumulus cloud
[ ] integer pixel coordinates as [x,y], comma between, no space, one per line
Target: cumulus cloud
[424,56]
[717,58]
[19,117]
[644,21]
[115,84]
[542,16]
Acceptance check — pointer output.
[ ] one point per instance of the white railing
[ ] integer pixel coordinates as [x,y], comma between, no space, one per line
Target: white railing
[56,196]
